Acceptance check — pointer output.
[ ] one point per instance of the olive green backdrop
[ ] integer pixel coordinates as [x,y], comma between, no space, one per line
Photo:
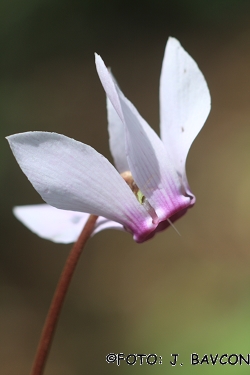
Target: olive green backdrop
[171,294]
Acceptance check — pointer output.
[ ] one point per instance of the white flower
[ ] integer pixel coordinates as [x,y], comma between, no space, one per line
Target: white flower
[70,175]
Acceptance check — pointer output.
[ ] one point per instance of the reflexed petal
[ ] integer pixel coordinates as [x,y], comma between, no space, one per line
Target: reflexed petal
[149,163]
[73,176]
[117,139]
[184,102]
[109,85]
[59,226]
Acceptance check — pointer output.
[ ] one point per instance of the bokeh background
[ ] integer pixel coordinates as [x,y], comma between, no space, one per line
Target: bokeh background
[171,294]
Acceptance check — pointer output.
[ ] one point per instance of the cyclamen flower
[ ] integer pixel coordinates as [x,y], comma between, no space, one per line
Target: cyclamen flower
[148,188]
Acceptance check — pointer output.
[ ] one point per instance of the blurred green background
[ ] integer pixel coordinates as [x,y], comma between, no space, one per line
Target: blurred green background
[171,294]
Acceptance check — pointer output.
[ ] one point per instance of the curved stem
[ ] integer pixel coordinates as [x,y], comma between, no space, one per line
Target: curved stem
[58,299]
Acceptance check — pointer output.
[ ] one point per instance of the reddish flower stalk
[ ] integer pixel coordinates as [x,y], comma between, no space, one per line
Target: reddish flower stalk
[58,299]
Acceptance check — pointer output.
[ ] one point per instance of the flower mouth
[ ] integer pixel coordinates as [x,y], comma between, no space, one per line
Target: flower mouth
[128,178]
[165,224]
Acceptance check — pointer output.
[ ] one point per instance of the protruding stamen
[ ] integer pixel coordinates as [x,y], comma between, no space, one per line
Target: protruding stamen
[173,226]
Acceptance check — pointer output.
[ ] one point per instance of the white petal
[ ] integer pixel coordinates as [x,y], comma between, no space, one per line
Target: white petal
[109,85]
[184,102]
[103,223]
[149,162]
[117,139]
[73,176]
[58,225]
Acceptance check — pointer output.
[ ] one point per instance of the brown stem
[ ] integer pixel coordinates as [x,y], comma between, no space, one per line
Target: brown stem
[57,301]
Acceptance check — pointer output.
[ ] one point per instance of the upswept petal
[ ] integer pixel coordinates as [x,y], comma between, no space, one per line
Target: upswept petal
[56,225]
[184,103]
[117,139]
[109,85]
[149,162]
[73,176]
